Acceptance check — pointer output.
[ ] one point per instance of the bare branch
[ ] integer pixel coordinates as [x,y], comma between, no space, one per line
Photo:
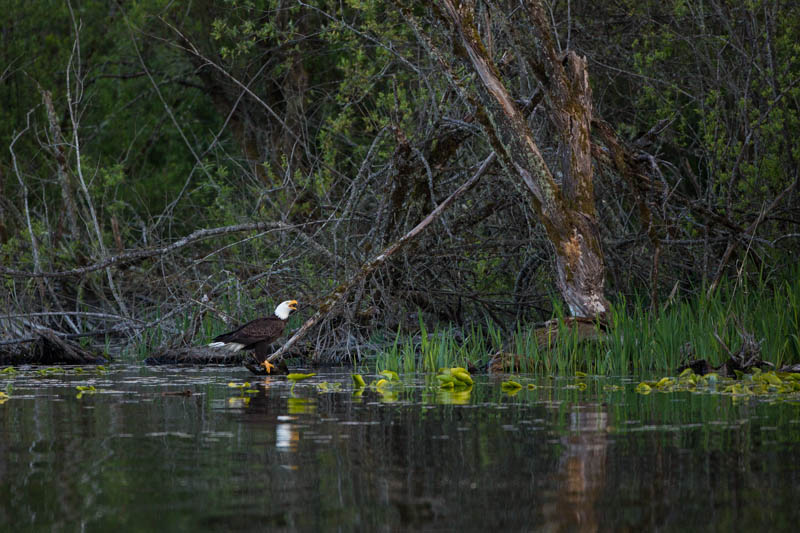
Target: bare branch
[139,255]
[343,290]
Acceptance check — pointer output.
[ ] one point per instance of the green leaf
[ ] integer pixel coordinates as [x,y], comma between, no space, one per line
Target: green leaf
[390,375]
[510,385]
[358,381]
[300,377]
[461,375]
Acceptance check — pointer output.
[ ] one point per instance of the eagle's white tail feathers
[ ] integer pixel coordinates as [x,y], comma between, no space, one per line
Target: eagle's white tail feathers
[232,346]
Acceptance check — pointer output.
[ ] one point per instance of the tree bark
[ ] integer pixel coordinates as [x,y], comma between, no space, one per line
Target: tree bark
[567,210]
[56,147]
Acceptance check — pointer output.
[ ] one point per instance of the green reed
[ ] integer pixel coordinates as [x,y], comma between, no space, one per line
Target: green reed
[637,342]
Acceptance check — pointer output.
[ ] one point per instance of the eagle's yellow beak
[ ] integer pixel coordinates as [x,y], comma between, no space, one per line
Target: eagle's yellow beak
[293,305]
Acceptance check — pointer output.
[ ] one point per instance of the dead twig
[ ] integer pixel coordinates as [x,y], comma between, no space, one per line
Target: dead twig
[343,290]
[139,255]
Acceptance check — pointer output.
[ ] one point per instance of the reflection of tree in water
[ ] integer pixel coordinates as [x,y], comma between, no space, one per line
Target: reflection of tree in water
[581,475]
[324,460]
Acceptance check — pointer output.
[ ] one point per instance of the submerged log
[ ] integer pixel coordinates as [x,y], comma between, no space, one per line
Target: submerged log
[50,349]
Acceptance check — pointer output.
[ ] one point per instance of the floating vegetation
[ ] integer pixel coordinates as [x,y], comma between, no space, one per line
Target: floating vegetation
[244,389]
[300,377]
[388,390]
[580,384]
[755,383]
[510,387]
[358,381]
[391,375]
[85,389]
[239,401]
[329,387]
[296,376]
[454,396]
[49,371]
[388,387]
[454,378]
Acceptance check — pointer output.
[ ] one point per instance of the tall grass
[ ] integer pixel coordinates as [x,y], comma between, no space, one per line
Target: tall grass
[428,352]
[638,342]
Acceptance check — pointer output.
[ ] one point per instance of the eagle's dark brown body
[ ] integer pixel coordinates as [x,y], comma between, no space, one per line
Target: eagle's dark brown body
[256,335]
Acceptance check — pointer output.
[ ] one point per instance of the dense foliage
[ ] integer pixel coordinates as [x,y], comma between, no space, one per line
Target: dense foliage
[317,133]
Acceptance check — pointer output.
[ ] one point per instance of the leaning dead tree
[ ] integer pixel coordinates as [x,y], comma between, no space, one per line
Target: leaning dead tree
[565,208]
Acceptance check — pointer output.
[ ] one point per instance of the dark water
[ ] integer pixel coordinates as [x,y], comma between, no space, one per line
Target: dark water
[555,458]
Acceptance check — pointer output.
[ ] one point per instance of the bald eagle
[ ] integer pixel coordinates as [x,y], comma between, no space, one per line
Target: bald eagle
[257,334]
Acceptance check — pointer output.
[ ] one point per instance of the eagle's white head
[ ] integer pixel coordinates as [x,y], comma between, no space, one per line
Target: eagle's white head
[285,309]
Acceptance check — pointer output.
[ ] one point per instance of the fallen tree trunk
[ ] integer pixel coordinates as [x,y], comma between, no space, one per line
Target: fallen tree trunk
[47,348]
[195,355]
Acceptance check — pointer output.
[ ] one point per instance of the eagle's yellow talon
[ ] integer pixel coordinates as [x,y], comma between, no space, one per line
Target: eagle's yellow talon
[267,366]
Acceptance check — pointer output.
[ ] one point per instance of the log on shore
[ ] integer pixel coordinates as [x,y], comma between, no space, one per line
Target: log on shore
[50,349]
[195,355]
[203,355]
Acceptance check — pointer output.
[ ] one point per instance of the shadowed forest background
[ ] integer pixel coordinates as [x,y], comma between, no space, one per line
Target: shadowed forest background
[170,166]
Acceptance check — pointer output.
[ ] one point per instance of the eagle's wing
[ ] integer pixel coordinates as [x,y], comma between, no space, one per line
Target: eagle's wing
[266,329]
